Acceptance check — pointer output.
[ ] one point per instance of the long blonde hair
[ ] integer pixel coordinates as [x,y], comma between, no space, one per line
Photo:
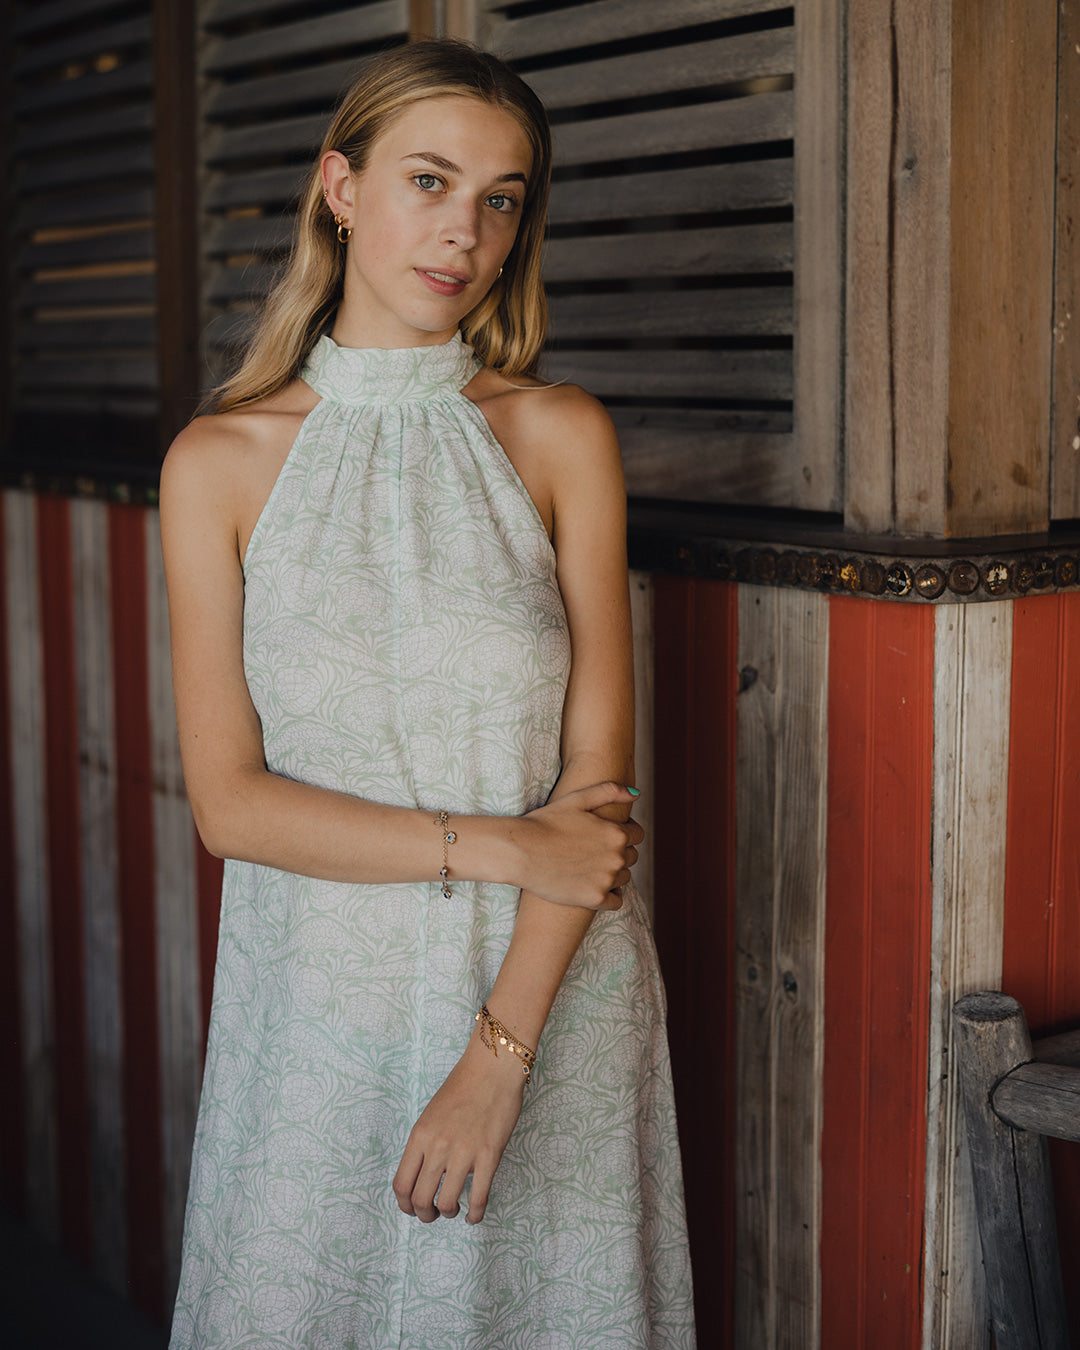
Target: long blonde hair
[507,327]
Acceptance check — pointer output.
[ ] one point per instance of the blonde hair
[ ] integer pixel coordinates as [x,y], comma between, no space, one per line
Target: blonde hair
[507,327]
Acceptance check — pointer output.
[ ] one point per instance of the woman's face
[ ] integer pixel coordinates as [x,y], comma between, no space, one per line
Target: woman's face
[434,214]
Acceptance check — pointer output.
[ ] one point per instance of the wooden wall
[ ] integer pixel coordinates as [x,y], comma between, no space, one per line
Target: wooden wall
[888,856]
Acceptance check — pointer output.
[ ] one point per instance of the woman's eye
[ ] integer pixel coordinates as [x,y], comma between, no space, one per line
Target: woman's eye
[427,182]
[501,201]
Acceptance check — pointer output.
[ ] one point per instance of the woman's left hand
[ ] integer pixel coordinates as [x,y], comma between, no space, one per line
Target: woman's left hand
[463,1130]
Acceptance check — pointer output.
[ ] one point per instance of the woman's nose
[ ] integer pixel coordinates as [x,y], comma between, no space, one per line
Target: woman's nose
[460,224]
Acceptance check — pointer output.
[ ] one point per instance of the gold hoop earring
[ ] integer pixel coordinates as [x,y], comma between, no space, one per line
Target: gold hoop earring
[498,274]
[343,230]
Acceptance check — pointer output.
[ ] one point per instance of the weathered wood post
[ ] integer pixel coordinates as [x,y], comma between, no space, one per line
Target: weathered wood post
[1011,1170]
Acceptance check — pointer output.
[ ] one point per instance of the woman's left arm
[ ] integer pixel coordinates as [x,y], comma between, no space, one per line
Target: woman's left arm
[572,451]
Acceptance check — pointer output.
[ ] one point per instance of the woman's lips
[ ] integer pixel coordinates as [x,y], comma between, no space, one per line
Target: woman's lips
[442,283]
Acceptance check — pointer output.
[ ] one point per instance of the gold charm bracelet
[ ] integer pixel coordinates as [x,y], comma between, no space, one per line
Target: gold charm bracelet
[493,1034]
[449,837]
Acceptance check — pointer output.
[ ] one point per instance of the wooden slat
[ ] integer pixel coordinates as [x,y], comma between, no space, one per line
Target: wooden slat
[665,131]
[268,137]
[605,21]
[104,402]
[274,93]
[128,120]
[220,13]
[740,468]
[97,796]
[818,247]
[134,331]
[697,65]
[138,289]
[261,187]
[780,917]
[736,312]
[1065,453]
[712,188]
[678,374]
[326,33]
[682,253]
[40,18]
[71,46]
[84,208]
[136,77]
[897,309]
[129,372]
[26,733]
[252,281]
[972,663]
[1001,228]
[264,234]
[123,246]
[132,160]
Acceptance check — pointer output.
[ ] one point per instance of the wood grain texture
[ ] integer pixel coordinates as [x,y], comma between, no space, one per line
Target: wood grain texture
[694,863]
[675,374]
[706,188]
[1065,428]
[746,56]
[780,918]
[309,36]
[704,465]
[27,714]
[177,950]
[897,270]
[97,784]
[1001,265]
[877,966]
[1041,1097]
[972,662]
[738,311]
[819,254]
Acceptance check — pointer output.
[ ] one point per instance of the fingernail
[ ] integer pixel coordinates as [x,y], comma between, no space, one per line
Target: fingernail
[634,792]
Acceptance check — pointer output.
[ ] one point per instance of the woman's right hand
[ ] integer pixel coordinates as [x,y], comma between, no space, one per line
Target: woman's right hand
[573,856]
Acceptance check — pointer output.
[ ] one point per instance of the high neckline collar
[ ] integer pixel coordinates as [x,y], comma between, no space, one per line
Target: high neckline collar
[377,375]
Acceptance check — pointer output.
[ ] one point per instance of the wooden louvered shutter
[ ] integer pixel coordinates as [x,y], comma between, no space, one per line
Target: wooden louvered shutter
[672,253]
[83,380]
[270,80]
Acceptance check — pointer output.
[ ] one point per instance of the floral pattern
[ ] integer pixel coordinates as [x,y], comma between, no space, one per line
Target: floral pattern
[405,641]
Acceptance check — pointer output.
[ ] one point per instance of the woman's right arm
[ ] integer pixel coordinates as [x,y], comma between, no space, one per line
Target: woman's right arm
[242,810]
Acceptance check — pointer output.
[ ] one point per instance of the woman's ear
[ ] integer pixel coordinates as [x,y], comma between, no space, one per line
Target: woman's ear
[338,185]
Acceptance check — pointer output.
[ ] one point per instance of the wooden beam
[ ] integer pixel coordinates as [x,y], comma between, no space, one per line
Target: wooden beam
[1065,445]
[819,276]
[1001,265]
[780,917]
[972,664]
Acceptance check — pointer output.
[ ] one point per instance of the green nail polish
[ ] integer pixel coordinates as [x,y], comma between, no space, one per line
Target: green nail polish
[634,792]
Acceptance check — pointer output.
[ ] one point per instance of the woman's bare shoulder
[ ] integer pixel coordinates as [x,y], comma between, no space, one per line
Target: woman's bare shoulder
[224,447]
[528,412]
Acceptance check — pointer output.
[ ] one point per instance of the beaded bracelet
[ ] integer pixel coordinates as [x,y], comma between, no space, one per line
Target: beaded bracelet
[491,1026]
[448,837]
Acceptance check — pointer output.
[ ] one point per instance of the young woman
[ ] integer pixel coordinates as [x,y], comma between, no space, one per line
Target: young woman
[381,551]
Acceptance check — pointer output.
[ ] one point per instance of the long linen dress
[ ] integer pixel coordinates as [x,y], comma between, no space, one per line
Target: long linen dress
[405,641]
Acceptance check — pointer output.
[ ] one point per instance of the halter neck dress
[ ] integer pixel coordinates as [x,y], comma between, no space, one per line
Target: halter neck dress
[405,641]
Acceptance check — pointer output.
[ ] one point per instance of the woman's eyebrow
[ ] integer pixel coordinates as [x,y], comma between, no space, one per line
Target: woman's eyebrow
[448,166]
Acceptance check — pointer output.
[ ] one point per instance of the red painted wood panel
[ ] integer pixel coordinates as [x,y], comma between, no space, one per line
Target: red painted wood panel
[877,962]
[63,833]
[12,1117]
[1041,965]
[138,960]
[694,860]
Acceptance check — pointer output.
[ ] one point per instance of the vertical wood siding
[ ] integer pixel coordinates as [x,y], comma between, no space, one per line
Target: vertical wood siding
[877,963]
[694,901]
